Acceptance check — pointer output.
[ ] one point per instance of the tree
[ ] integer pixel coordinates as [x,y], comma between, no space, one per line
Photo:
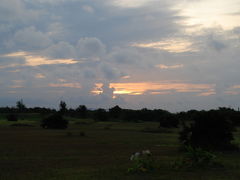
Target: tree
[210,130]
[82,111]
[54,121]
[101,115]
[115,111]
[20,106]
[62,107]
[169,121]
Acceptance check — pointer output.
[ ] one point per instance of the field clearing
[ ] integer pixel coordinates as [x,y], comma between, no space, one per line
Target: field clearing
[102,154]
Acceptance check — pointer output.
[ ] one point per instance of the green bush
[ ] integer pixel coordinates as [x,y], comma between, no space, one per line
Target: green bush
[210,130]
[54,121]
[12,117]
[142,162]
[196,158]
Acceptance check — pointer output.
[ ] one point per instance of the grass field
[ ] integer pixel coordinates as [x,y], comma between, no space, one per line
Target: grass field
[102,154]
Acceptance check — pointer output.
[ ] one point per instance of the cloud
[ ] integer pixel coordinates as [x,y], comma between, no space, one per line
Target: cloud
[125,55]
[40,76]
[162,66]
[174,45]
[61,50]
[34,60]
[89,74]
[90,47]
[16,10]
[67,85]
[161,88]
[57,31]
[110,73]
[31,39]
[208,14]
[129,4]
[88,9]
[233,90]
[217,41]
[139,47]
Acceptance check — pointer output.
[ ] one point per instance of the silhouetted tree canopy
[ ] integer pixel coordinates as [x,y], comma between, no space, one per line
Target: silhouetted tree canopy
[82,111]
[62,107]
[54,121]
[169,120]
[115,112]
[101,115]
[210,130]
[20,106]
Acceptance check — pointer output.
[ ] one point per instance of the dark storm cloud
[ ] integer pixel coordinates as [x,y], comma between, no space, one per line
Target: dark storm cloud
[100,37]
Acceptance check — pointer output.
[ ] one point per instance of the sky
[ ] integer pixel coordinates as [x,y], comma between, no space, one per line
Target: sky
[175,55]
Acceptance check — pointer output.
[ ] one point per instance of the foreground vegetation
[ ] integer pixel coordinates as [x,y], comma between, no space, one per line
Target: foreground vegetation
[94,150]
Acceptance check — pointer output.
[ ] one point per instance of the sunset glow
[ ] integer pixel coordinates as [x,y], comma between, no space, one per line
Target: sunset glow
[211,13]
[161,88]
[67,85]
[34,60]
[162,66]
[170,45]
[97,89]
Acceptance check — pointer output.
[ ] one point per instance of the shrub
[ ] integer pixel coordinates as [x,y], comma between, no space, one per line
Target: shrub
[210,130]
[12,117]
[54,121]
[101,115]
[196,158]
[142,162]
[169,121]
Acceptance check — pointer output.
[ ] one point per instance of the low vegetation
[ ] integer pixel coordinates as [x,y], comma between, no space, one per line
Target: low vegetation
[118,144]
[54,121]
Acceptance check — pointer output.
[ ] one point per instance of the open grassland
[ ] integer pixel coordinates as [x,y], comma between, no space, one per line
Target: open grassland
[90,150]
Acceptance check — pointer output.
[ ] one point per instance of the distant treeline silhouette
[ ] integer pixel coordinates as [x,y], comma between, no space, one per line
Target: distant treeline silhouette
[116,113]
[212,129]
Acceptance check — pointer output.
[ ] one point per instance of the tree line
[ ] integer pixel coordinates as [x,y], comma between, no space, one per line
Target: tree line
[116,113]
[212,129]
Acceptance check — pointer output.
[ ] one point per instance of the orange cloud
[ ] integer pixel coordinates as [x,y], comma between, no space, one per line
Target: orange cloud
[161,88]
[97,89]
[233,90]
[35,60]
[17,84]
[69,85]
[125,77]
[176,45]
[211,92]
[40,76]
[162,66]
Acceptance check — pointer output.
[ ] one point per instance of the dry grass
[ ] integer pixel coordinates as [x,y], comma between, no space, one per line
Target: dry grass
[35,153]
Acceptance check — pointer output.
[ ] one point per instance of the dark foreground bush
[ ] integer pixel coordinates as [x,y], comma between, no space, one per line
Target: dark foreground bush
[169,121]
[54,121]
[101,115]
[12,117]
[210,130]
[196,158]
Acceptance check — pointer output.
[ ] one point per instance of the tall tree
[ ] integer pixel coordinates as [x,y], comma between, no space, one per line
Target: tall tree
[62,107]
[82,111]
[20,106]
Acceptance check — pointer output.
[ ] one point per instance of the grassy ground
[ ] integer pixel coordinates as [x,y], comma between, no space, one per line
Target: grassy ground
[102,154]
